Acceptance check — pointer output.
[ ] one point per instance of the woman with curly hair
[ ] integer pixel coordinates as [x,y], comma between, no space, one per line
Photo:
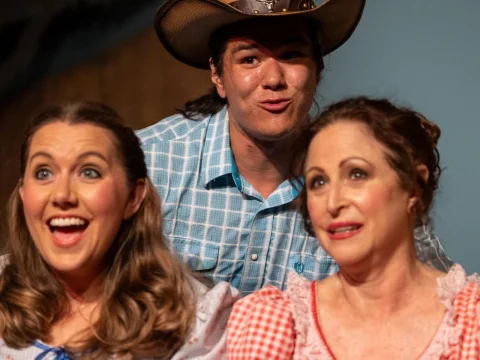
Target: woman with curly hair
[370,172]
[88,274]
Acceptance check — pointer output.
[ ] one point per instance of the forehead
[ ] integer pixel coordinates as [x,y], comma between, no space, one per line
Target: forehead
[343,139]
[63,138]
[270,31]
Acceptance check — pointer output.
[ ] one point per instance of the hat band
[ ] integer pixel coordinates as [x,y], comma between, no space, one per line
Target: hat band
[272,6]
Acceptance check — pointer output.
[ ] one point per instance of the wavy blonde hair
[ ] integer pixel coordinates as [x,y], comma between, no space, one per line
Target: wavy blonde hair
[147,302]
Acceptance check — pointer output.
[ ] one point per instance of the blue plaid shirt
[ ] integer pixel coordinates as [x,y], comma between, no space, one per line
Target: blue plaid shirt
[221,225]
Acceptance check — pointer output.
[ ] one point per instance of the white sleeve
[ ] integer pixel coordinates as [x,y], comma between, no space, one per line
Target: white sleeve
[208,340]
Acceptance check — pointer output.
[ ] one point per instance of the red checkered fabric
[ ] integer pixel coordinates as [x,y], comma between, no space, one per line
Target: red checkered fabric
[261,327]
[467,306]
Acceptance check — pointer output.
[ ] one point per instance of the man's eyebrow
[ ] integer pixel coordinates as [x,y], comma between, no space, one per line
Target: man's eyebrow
[246,46]
[296,41]
[285,42]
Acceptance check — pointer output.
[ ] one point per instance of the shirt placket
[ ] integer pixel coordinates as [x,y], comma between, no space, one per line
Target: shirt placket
[255,260]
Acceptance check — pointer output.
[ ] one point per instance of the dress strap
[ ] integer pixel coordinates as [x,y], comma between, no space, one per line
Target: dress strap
[59,352]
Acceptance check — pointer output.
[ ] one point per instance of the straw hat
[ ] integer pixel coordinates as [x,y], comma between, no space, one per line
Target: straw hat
[184,26]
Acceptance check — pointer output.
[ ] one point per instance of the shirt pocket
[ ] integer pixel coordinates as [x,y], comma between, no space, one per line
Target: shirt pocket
[198,255]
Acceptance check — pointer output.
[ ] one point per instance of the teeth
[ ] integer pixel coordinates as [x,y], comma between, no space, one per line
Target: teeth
[345,228]
[71,221]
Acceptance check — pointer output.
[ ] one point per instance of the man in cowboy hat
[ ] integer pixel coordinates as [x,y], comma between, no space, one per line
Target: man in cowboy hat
[221,166]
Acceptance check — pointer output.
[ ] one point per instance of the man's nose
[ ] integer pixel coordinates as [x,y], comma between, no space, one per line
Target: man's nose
[274,77]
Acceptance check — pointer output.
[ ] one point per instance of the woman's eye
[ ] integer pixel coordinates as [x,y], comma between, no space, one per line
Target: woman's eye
[43,174]
[358,174]
[90,173]
[317,182]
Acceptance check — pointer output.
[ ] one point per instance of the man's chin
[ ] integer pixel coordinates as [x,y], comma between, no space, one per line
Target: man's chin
[275,136]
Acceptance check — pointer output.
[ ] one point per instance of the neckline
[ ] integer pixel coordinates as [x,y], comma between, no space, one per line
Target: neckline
[433,340]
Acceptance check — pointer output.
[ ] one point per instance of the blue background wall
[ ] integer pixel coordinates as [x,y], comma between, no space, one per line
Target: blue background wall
[421,53]
[425,54]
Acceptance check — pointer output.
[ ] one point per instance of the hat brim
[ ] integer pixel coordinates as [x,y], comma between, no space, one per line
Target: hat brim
[184,26]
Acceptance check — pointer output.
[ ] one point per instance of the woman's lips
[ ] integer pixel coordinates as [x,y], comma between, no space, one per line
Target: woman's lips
[343,230]
[344,235]
[67,236]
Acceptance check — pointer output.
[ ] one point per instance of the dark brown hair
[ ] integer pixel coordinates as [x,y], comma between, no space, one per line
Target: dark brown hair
[410,138]
[146,306]
[211,103]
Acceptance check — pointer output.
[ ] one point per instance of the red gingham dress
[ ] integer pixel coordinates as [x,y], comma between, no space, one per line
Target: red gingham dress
[276,325]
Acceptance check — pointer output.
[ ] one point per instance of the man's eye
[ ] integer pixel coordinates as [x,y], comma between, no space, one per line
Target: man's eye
[290,55]
[249,60]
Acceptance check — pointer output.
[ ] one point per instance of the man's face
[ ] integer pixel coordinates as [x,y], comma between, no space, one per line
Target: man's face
[269,77]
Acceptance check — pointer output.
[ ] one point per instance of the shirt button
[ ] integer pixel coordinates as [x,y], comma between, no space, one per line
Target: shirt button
[299,267]
[254,257]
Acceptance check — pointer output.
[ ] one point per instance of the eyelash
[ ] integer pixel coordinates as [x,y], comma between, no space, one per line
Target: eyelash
[289,55]
[98,175]
[294,54]
[314,180]
[355,174]
[246,58]
[39,170]
[356,171]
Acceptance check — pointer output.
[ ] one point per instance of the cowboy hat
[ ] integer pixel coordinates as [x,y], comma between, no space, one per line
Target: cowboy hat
[184,26]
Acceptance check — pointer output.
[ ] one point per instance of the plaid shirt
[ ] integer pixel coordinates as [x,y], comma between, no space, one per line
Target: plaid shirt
[220,224]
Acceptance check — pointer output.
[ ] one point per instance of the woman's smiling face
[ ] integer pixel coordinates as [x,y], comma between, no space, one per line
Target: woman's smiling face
[75,195]
[354,198]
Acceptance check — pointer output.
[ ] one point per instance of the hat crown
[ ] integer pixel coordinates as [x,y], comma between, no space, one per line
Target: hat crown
[272,6]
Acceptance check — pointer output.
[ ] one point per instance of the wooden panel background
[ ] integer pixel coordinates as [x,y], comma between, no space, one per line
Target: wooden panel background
[137,78]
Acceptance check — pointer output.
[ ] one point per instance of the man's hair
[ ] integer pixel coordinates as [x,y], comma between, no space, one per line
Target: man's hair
[146,306]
